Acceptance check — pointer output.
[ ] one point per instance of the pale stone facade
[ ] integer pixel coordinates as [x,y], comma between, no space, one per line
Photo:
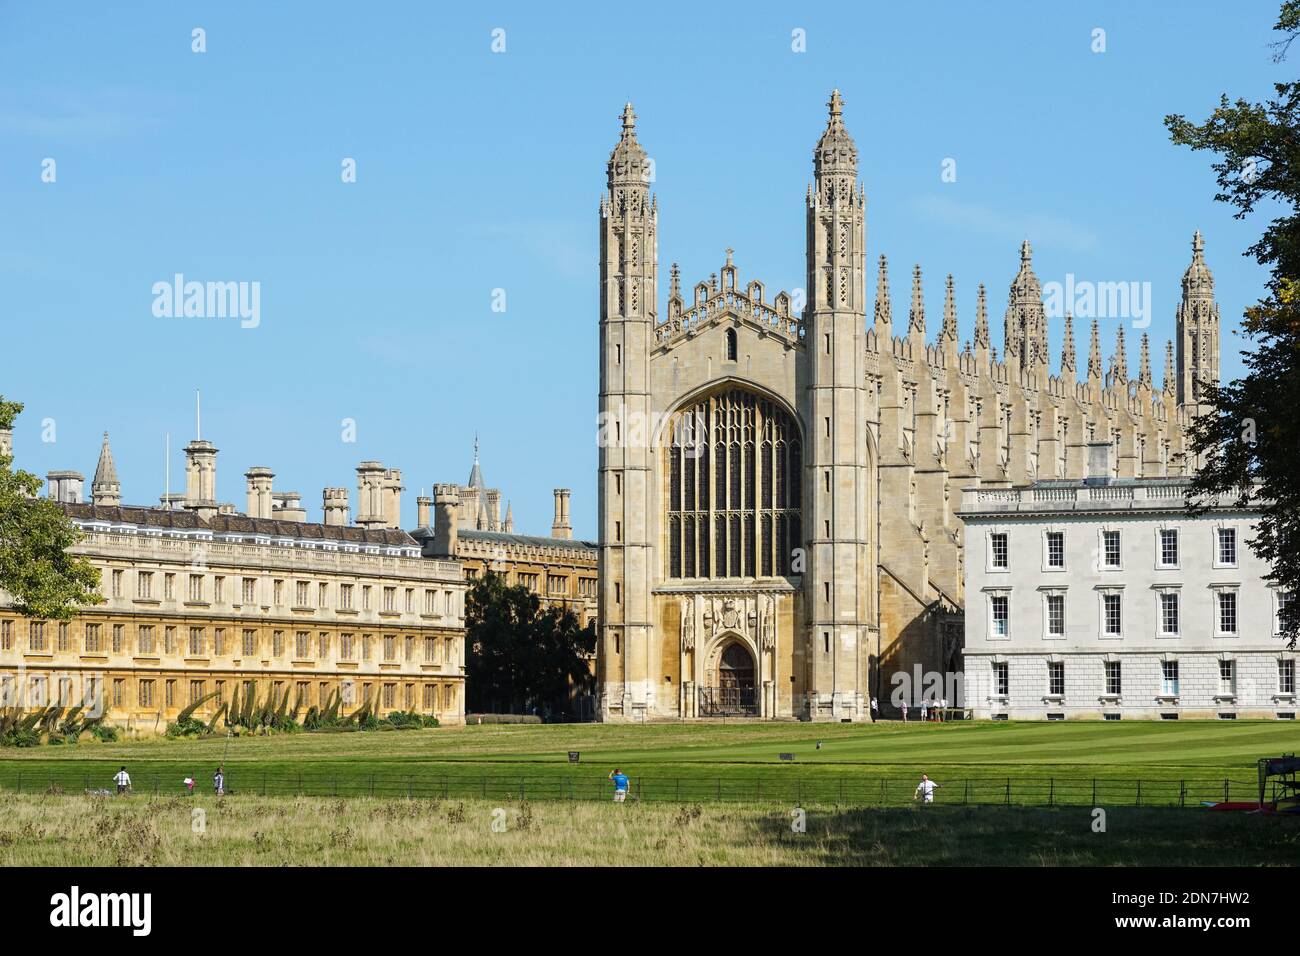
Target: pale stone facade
[200,598]
[1104,598]
[777,488]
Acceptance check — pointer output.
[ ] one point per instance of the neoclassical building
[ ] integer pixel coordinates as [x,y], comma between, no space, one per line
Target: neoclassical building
[203,598]
[778,487]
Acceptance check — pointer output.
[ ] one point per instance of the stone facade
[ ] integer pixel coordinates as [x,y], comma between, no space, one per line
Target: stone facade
[802,467]
[1104,598]
[200,598]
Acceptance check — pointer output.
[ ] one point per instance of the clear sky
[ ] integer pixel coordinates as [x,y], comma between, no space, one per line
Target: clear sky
[479,170]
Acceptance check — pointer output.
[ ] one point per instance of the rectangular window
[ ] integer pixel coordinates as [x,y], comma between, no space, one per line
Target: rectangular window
[118,685]
[1169,678]
[410,600]
[94,642]
[145,687]
[323,643]
[169,586]
[145,639]
[390,647]
[345,647]
[1228,546]
[1169,613]
[219,589]
[169,690]
[1001,680]
[6,635]
[248,592]
[388,694]
[196,587]
[119,638]
[36,636]
[277,643]
[998,605]
[301,645]
[278,589]
[219,642]
[250,642]
[197,691]
[1110,549]
[169,639]
[1056,679]
[1227,612]
[144,584]
[196,642]
[1227,678]
[301,596]
[1114,616]
[1168,548]
[998,549]
[390,598]
[117,584]
[365,597]
[345,597]
[323,595]
[62,639]
[428,694]
[1056,615]
[1286,677]
[430,649]
[1114,681]
[1056,549]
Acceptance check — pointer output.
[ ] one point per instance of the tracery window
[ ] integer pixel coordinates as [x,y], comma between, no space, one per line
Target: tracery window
[733,472]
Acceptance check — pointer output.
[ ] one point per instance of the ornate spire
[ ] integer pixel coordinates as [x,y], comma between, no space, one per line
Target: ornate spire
[1198,328]
[628,165]
[1144,363]
[1198,278]
[1170,383]
[1094,352]
[949,330]
[916,314]
[981,320]
[1026,321]
[105,489]
[835,161]
[1067,351]
[1119,361]
[884,316]
[674,283]
[508,526]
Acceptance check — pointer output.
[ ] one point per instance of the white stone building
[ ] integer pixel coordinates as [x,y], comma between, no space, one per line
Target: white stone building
[1104,598]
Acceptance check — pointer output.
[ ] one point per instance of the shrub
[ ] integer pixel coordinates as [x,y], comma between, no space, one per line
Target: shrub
[104,733]
[186,727]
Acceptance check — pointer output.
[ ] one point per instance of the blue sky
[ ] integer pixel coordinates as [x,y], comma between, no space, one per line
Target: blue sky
[479,171]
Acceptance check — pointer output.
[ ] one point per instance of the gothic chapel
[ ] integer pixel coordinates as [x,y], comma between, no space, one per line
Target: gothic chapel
[777,488]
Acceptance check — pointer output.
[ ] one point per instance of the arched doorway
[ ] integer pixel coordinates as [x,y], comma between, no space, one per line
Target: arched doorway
[734,691]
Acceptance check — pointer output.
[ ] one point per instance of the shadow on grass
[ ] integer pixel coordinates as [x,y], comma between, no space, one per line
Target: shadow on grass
[1000,836]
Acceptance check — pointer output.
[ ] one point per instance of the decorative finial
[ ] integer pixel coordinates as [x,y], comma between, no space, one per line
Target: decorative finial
[1198,244]
[729,252]
[836,104]
[629,117]
[1026,253]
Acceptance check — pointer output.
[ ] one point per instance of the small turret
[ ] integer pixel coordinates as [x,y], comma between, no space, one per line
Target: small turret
[104,488]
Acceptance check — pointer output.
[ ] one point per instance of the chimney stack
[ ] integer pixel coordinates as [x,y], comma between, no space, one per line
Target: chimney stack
[370,498]
[65,486]
[446,499]
[1098,463]
[392,496]
[287,506]
[259,492]
[560,527]
[201,478]
[335,505]
[422,506]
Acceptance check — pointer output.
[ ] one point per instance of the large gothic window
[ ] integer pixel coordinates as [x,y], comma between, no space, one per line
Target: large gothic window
[733,488]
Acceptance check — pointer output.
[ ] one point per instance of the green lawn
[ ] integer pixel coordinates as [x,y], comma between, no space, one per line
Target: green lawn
[1039,763]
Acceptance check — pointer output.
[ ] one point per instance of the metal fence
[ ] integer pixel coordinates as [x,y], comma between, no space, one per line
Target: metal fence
[826,789]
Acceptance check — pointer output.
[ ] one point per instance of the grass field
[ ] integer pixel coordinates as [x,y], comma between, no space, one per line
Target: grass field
[141,830]
[1034,763]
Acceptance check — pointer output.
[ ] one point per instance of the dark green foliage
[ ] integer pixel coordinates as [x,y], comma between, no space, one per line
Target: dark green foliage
[522,657]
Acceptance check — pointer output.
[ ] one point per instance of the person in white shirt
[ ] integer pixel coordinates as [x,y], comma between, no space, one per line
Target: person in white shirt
[925,790]
[924,712]
[903,708]
[123,780]
[943,708]
[875,709]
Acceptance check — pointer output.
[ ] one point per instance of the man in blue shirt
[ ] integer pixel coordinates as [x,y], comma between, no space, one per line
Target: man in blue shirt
[620,785]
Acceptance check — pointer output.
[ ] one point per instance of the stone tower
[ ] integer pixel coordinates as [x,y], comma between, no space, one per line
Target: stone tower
[1198,329]
[259,483]
[201,478]
[839,574]
[628,290]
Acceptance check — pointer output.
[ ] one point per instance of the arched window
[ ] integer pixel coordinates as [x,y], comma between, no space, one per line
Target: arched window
[750,525]
[731,345]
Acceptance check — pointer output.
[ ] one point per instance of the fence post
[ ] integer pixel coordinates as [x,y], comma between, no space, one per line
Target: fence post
[1182,792]
[1226,788]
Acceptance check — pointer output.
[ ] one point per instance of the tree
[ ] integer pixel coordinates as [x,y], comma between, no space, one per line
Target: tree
[36,566]
[1249,439]
[522,656]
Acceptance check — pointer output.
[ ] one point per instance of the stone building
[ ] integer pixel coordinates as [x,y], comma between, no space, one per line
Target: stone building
[202,598]
[778,486]
[1104,598]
